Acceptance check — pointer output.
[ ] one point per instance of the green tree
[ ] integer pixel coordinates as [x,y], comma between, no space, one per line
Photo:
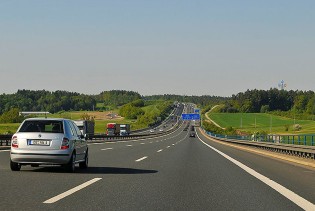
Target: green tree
[11,116]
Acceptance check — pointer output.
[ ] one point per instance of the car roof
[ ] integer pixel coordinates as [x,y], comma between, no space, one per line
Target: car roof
[48,119]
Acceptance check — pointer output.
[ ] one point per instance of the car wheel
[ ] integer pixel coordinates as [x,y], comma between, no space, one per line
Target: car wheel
[70,167]
[15,166]
[85,163]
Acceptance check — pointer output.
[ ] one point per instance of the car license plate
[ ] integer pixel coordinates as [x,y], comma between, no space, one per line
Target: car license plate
[38,142]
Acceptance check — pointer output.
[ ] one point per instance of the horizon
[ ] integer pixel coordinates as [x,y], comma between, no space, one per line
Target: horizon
[162,94]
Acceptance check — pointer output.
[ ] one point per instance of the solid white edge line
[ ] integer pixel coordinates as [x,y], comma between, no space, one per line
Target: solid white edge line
[140,159]
[5,150]
[298,200]
[71,191]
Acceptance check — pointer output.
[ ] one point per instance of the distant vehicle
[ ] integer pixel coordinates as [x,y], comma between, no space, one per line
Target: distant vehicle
[161,130]
[85,126]
[124,129]
[112,129]
[192,134]
[52,141]
[152,131]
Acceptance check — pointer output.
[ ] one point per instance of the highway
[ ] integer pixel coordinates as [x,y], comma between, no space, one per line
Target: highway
[173,172]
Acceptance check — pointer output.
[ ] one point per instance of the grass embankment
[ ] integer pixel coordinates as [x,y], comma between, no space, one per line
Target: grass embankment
[264,122]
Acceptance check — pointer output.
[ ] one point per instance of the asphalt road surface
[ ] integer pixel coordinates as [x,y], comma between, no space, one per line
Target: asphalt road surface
[173,172]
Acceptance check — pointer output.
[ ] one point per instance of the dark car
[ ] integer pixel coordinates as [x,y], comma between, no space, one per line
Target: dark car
[192,134]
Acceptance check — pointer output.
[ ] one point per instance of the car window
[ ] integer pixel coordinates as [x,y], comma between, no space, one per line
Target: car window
[76,128]
[72,130]
[42,126]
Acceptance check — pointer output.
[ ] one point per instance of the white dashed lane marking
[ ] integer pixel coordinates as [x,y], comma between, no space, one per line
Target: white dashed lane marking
[71,191]
[141,159]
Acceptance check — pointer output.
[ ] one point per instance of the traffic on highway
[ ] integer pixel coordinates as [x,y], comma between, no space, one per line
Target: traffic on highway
[173,171]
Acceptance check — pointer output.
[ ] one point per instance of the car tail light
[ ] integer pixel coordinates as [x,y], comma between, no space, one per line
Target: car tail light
[65,144]
[14,142]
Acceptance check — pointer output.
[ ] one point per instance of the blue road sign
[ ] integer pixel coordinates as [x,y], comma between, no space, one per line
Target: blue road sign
[191,116]
[197,110]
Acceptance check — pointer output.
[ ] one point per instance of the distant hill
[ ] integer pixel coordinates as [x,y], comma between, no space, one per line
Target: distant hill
[117,97]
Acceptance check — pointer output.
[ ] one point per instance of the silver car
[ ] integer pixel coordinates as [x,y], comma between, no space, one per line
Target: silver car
[52,141]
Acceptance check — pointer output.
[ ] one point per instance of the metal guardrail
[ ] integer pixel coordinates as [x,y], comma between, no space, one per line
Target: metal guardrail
[5,140]
[307,140]
[272,144]
[104,137]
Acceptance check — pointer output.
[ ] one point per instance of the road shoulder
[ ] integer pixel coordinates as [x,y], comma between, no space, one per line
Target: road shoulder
[286,158]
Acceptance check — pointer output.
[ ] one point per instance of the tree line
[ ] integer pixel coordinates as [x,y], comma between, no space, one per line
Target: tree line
[272,100]
[42,100]
[201,101]
[28,100]
[116,98]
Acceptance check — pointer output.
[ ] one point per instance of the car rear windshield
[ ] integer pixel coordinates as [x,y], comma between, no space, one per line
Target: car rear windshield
[43,126]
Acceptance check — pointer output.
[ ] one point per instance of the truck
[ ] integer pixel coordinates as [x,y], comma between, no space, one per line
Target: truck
[124,129]
[112,129]
[85,126]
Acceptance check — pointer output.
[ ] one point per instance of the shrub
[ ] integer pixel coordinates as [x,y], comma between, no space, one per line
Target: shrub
[11,116]
[264,109]
[297,127]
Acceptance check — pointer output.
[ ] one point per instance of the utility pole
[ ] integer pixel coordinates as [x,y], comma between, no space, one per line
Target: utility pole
[270,123]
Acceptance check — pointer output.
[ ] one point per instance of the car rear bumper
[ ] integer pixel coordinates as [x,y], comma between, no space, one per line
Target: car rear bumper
[41,158]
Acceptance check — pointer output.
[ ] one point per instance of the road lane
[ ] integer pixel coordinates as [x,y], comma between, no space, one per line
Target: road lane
[298,200]
[178,173]
[299,179]
[187,176]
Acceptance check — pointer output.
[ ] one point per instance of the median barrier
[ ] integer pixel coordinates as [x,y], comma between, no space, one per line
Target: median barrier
[96,138]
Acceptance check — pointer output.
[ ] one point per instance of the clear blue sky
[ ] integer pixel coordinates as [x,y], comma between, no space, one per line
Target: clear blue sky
[156,47]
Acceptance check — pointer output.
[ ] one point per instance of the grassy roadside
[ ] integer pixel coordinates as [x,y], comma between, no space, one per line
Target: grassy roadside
[101,119]
[253,122]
